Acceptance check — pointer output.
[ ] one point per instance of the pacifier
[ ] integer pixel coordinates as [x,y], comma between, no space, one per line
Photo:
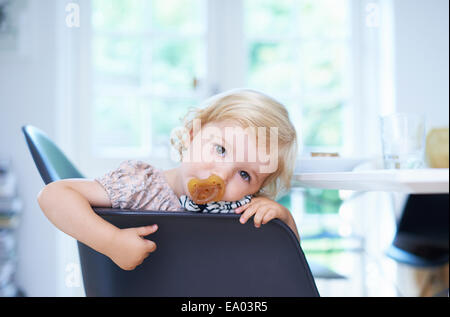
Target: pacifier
[207,190]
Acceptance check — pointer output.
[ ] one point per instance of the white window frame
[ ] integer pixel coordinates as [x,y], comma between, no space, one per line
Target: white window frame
[224,48]
[94,166]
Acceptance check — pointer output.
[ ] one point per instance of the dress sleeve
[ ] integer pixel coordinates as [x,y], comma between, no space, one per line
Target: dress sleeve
[138,185]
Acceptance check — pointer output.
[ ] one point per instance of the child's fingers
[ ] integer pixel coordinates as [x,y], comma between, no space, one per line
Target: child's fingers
[151,246]
[258,218]
[240,209]
[250,211]
[145,231]
[254,201]
[270,214]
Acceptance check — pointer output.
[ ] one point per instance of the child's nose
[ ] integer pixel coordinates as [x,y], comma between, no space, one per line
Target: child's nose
[224,173]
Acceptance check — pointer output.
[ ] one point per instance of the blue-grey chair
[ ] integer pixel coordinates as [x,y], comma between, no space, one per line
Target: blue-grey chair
[422,237]
[199,255]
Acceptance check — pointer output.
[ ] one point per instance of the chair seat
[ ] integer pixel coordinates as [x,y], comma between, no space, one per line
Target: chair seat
[422,234]
[321,271]
[409,250]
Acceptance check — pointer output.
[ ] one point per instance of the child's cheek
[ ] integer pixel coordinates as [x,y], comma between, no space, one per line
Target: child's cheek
[233,192]
[196,169]
[207,157]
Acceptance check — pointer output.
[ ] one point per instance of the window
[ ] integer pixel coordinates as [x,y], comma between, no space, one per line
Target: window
[147,58]
[150,60]
[300,52]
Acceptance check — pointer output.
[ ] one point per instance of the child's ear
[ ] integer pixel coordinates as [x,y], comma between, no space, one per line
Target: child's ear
[187,139]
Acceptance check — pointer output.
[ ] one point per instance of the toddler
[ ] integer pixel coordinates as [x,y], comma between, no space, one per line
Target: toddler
[242,137]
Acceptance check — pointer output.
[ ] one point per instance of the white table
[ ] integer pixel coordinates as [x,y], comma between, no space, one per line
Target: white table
[414,181]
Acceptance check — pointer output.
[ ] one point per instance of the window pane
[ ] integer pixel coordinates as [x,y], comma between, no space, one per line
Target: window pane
[162,122]
[117,59]
[268,17]
[324,18]
[272,66]
[322,201]
[322,122]
[303,59]
[323,66]
[146,57]
[184,16]
[119,15]
[120,122]
[175,64]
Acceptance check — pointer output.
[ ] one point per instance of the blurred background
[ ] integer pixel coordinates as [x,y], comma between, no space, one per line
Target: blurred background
[108,80]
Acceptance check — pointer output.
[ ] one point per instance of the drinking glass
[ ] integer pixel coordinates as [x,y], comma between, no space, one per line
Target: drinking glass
[403,140]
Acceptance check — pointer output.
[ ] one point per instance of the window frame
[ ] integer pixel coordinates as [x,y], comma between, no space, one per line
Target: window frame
[225,46]
[90,163]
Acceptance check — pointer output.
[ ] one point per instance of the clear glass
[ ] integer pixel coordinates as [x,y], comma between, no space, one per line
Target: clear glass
[403,141]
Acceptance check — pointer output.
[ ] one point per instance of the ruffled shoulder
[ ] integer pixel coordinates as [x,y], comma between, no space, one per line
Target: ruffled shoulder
[138,185]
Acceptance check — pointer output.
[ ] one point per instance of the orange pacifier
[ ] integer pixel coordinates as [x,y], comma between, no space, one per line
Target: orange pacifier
[207,190]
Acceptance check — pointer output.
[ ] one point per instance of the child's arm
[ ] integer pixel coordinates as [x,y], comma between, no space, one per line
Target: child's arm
[67,204]
[264,210]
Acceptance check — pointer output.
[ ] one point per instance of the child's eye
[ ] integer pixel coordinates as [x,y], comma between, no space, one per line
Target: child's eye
[220,149]
[245,176]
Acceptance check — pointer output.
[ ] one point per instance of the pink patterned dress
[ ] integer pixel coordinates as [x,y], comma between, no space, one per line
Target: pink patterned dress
[138,185]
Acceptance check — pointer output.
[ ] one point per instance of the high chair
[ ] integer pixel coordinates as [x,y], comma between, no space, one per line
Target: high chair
[198,255]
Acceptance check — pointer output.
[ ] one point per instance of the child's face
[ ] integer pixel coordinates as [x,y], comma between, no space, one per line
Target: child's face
[228,151]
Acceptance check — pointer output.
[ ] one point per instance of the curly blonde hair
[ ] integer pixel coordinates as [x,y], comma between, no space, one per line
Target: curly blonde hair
[248,108]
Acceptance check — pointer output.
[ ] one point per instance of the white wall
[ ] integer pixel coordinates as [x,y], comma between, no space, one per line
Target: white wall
[27,96]
[422,58]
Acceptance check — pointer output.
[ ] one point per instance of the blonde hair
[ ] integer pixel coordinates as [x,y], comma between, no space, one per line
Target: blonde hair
[248,108]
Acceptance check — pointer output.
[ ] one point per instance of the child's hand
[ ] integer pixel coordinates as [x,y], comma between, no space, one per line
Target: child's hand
[264,210]
[129,248]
